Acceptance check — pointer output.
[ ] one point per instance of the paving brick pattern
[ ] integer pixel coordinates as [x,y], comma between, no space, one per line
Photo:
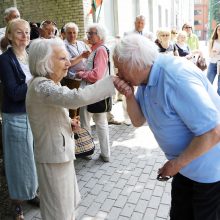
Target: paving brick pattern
[126,188]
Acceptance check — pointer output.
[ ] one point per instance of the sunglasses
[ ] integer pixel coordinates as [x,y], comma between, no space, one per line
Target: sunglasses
[91,33]
[47,22]
[164,35]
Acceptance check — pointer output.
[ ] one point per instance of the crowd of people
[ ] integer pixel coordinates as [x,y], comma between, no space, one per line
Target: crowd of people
[49,79]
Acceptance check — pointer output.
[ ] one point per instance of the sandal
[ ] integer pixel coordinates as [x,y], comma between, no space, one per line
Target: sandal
[18,213]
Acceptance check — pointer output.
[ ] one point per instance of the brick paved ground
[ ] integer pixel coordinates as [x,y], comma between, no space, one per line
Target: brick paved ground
[126,188]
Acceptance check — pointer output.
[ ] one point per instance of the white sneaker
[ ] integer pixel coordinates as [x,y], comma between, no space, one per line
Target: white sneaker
[127,122]
[105,159]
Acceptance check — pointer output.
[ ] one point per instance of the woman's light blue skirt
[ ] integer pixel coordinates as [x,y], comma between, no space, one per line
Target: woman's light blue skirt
[19,156]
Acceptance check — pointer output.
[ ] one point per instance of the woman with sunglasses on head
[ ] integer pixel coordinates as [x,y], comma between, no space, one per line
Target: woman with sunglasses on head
[97,68]
[164,42]
[16,132]
[192,39]
[214,54]
[182,46]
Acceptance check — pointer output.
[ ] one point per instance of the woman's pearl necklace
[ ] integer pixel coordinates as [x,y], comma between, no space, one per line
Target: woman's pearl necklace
[23,59]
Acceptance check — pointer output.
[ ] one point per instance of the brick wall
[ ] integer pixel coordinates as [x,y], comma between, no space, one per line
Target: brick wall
[60,11]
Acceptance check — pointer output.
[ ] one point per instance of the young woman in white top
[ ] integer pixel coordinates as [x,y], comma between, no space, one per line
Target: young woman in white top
[214,54]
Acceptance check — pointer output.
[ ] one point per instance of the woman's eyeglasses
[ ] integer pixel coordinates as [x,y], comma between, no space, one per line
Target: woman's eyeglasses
[164,35]
[188,27]
[91,33]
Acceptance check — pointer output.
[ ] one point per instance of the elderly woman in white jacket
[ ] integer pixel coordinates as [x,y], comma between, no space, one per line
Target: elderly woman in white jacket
[47,106]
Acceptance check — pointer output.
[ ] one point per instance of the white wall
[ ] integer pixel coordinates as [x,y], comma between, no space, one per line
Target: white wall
[107,15]
[119,15]
[126,15]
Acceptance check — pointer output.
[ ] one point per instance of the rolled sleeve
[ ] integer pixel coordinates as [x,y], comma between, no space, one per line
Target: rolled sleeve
[195,107]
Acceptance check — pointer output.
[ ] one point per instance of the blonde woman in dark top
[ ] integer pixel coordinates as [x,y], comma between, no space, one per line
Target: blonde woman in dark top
[16,132]
[182,46]
[164,42]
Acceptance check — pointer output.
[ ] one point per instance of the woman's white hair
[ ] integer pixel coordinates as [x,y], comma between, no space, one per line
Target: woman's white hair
[40,53]
[181,33]
[101,31]
[71,25]
[135,51]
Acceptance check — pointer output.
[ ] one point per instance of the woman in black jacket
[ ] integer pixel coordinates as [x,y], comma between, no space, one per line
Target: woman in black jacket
[16,132]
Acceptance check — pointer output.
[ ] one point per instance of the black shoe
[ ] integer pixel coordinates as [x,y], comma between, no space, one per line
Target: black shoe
[35,201]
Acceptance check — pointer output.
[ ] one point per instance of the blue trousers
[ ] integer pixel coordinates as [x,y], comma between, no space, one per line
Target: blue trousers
[19,156]
[212,71]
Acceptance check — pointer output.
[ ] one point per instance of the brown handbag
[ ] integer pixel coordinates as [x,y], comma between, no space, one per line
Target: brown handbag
[201,63]
[84,145]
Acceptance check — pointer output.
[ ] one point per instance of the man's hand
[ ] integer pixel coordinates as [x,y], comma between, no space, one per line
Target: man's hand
[85,54]
[78,75]
[170,168]
[75,123]
[123,87]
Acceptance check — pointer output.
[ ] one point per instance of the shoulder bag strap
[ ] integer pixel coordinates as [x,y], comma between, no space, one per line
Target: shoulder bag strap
[109,66]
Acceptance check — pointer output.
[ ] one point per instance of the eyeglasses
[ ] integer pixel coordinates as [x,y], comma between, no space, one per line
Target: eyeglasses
[174,33]
[163,178]
[47,22]
[188,27]
[91,33]
[164,35]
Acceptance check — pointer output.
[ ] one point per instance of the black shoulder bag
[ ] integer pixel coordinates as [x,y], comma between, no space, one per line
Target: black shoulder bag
[104,105]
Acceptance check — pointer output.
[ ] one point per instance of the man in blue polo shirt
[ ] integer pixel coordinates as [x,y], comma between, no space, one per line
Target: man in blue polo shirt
[183,112]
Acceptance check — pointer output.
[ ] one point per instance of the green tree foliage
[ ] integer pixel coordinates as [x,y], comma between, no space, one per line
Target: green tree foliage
[216,10]
[214,14]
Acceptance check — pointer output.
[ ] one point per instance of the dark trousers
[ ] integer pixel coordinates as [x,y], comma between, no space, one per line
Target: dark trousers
[72,84]
[194,201]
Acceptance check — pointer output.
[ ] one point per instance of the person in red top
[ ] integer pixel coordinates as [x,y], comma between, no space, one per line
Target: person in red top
[96,69]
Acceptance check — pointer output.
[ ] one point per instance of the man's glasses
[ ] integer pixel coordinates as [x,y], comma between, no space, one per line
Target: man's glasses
[47,22]
[164,35]
[91,33]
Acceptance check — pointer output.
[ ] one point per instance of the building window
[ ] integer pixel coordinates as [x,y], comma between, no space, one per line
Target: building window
[166,14]
[159,16]
[197,12]
[198,33]
[198,22]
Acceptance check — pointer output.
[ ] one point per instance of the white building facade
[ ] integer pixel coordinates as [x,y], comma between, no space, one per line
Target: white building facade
[119,15]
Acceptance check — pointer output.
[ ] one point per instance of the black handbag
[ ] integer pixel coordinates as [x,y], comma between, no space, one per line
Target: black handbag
[104,105]
[84,145]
